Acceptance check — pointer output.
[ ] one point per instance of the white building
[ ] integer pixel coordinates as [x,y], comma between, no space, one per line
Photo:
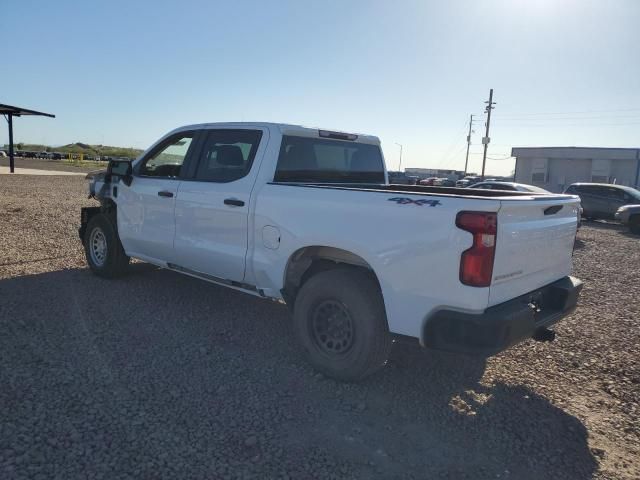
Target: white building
[555,168]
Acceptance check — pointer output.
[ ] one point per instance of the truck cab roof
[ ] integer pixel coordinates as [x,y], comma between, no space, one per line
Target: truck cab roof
[285,129]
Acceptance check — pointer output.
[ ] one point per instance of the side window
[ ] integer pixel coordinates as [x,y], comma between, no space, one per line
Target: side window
[615,194]
[227,155]
[572,189]
[166,161]
[600,192]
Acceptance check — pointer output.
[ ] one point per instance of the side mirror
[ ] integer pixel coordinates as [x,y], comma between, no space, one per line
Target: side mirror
[121,169]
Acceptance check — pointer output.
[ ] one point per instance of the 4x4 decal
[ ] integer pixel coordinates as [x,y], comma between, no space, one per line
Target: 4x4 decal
[409,201]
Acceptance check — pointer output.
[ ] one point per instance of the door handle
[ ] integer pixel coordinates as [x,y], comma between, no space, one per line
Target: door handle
[234,201]
[164,193]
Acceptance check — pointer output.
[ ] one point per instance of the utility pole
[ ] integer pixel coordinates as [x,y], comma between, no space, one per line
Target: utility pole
[400,164]
[466,160]
[11,152]
[485,140]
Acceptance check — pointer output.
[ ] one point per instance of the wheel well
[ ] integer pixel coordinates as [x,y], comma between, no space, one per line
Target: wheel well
[108,207]
[308,261]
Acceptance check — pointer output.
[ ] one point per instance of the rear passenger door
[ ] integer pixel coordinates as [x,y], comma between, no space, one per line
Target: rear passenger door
[600,196]
[591,200]
[616,199]
[212,204]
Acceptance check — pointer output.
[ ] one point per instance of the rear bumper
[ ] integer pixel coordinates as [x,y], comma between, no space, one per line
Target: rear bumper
[501,326]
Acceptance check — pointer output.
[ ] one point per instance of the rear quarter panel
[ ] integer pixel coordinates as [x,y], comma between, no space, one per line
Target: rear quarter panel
[414,249]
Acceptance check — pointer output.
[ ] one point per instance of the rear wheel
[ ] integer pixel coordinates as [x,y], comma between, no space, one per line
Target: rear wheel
[634,224]
[103,250]
[339,318]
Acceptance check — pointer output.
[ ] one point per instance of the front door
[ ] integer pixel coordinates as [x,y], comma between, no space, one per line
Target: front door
[146,209]
[212,207]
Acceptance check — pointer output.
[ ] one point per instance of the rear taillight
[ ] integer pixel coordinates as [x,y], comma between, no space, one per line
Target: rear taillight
[476,263]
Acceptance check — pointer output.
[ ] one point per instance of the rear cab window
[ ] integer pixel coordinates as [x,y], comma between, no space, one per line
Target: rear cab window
[320,160]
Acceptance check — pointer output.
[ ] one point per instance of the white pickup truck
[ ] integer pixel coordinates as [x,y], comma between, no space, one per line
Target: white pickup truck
[306,217]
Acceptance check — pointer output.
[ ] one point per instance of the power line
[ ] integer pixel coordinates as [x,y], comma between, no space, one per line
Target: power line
[455,142]
[527,125]
[569,113]
[562,121]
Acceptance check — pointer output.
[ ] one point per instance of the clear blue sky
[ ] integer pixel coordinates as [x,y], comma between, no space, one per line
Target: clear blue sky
[565,72]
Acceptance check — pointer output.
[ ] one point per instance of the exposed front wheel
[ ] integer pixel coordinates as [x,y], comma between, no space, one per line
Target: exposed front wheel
[103,250]
[340,320]
[634,224]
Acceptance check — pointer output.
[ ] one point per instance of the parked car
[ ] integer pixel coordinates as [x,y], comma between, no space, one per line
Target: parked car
[400,178]
[30,154]
[3,153]
[602,200]
[304,217]
[468,181]
[444,182]
[630,215]
[516,187]
[428,181]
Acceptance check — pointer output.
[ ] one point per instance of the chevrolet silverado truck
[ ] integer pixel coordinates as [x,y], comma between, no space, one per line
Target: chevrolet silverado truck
[307,217]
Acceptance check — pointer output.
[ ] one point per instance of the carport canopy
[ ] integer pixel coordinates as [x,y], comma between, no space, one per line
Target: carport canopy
[10,111]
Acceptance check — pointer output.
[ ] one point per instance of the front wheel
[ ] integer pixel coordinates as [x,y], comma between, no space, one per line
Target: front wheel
[103,249]
[339,318]
[634,224]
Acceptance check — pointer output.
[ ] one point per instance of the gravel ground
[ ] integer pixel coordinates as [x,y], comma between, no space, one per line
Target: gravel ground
[158,375]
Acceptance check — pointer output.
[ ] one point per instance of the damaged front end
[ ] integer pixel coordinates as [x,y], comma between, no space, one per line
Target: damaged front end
[103,186]
[96,181]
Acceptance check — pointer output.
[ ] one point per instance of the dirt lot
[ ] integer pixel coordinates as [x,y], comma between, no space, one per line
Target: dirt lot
[158,375]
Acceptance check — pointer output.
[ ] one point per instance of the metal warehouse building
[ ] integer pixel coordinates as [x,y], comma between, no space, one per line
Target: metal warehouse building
[555,168]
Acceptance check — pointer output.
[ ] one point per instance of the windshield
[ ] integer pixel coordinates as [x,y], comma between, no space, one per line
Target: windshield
[308,159]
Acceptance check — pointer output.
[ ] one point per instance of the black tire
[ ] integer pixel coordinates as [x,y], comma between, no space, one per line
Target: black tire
[352,301]
[634,224]
[113,261]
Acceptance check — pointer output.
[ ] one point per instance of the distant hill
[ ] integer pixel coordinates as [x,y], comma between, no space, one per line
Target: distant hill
[78,147]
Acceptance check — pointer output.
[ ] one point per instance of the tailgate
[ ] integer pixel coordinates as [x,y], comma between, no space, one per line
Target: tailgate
[534,244]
